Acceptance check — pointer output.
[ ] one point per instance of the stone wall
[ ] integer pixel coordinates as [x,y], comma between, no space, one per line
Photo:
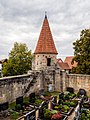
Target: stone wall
[40,61]
[38,81]
[23,85]
[13,87]
[79,81]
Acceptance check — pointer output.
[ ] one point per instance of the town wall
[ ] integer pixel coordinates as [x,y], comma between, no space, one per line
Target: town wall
[40,81]
[16,86]
[79,81]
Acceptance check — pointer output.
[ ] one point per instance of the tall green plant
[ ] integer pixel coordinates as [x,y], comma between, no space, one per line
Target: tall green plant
[82,53]
[19,62]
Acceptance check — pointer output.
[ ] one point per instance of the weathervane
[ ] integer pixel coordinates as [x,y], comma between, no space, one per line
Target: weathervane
[45,14]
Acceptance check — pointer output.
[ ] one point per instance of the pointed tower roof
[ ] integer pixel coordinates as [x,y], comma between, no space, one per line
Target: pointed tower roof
[45,42]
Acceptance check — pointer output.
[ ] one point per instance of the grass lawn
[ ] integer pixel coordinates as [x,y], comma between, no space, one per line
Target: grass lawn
[52,94]
[12,105]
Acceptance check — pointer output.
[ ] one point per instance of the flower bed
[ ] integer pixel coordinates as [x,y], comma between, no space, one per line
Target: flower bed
[19,111]
[85,115]
[52,115]
[86,105]
[67,104]
[64,109]
[16,110]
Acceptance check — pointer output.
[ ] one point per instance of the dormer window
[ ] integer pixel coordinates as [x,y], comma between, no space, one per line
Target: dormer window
[48,61]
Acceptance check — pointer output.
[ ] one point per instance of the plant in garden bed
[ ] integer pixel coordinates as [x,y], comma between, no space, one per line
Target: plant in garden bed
[86,105]
[58,107]
[18,107]
[49,95]
[85,115]
[54,112]
[47,114]
[68,95]
[62,108]
[14,115]
[38,102]
[71,103]
[26,103]
[65,108]
[56,116]
[12,105]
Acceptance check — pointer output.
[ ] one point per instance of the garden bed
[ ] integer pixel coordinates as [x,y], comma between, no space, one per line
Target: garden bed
[85,114]
[52,115]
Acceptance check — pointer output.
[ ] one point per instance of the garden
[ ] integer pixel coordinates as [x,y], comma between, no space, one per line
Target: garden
[49,106]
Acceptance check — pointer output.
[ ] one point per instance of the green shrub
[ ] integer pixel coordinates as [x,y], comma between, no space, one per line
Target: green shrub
[47,114]
[54,112]
[83,116]
[12,105]
[14,115]
[38,102]
[26,99]
[86,105]
[73,95]
[18,107]
[66,97]
[72,104]
[78,95]
[60,106]
[56,107]
[32,100]
[66,108]
[88,114]
[47,94]
[26,103]
[66,103]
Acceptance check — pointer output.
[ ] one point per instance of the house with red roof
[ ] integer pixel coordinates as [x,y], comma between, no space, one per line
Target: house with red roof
[67,64]
[68,60]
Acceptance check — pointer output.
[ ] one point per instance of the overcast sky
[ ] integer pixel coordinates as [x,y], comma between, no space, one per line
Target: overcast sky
[21,21]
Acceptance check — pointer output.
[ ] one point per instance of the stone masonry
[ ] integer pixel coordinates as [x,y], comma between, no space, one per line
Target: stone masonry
[15,86]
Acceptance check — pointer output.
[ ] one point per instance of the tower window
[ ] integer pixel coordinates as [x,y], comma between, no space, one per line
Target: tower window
[48,61]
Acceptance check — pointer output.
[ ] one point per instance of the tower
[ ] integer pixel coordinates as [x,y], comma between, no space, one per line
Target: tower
[45,52]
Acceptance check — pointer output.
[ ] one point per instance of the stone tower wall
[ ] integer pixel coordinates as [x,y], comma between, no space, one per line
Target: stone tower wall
[40,61]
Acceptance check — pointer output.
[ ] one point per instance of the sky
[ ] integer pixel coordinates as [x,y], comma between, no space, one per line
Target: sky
[21,21]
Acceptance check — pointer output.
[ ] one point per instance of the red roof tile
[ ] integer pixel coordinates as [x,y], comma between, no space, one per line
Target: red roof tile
[45,42]
[69,60]
[64,66]
[59,60]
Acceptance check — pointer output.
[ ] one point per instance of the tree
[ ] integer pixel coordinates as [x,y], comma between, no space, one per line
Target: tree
[19,62]
[82,53]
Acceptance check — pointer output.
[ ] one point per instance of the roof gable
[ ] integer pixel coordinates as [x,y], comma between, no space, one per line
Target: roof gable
[68,60]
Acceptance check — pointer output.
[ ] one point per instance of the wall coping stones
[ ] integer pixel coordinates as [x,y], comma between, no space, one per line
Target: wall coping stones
[85,75]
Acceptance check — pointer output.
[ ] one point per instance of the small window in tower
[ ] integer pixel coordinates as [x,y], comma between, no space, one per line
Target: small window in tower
[48,61]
